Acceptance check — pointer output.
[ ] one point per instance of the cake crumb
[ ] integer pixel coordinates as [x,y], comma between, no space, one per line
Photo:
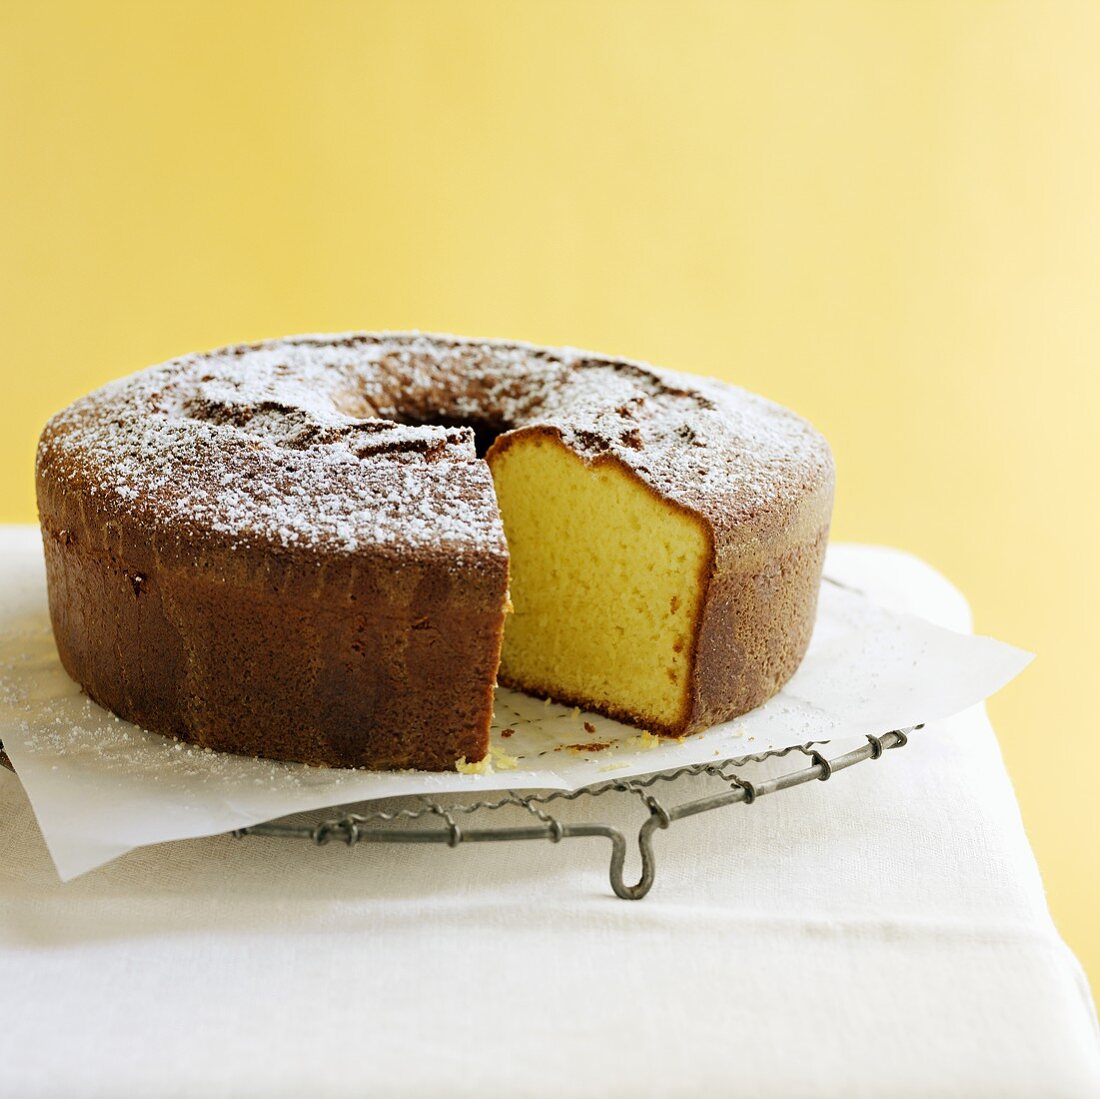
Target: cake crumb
[479,767]
[644,741]
[589,727]
[502,761]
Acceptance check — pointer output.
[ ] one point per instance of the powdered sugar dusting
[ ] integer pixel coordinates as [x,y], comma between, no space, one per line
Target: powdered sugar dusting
[365,439]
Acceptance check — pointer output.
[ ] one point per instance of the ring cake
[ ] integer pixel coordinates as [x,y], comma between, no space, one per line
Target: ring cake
[312,549]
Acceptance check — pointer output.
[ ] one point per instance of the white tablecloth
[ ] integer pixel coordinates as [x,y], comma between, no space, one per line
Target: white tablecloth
[882,934]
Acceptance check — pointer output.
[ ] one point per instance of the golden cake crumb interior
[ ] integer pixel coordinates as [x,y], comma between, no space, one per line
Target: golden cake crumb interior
[606,579]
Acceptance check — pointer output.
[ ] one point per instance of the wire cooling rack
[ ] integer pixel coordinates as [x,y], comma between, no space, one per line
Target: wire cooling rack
[465,822]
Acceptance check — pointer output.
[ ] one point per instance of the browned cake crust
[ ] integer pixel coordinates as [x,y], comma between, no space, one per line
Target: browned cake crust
[292,549]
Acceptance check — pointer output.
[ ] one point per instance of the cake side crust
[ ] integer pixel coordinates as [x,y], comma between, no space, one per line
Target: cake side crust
[331,673]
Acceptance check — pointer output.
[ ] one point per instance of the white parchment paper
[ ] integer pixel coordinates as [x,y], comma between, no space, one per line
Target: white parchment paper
[101,787]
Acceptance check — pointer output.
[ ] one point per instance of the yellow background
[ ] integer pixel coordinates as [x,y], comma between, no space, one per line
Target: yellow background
[886,215]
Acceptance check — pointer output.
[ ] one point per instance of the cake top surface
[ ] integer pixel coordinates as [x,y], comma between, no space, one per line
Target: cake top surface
[349,441]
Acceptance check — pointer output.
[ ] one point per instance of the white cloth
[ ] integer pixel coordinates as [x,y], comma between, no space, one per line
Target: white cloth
[882,934]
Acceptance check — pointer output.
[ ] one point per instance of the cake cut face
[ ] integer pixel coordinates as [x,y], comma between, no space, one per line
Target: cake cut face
[607,583]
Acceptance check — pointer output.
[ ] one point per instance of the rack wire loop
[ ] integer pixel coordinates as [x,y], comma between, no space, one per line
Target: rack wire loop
[557,830]
[824,764]
[746,788]
[658,811]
